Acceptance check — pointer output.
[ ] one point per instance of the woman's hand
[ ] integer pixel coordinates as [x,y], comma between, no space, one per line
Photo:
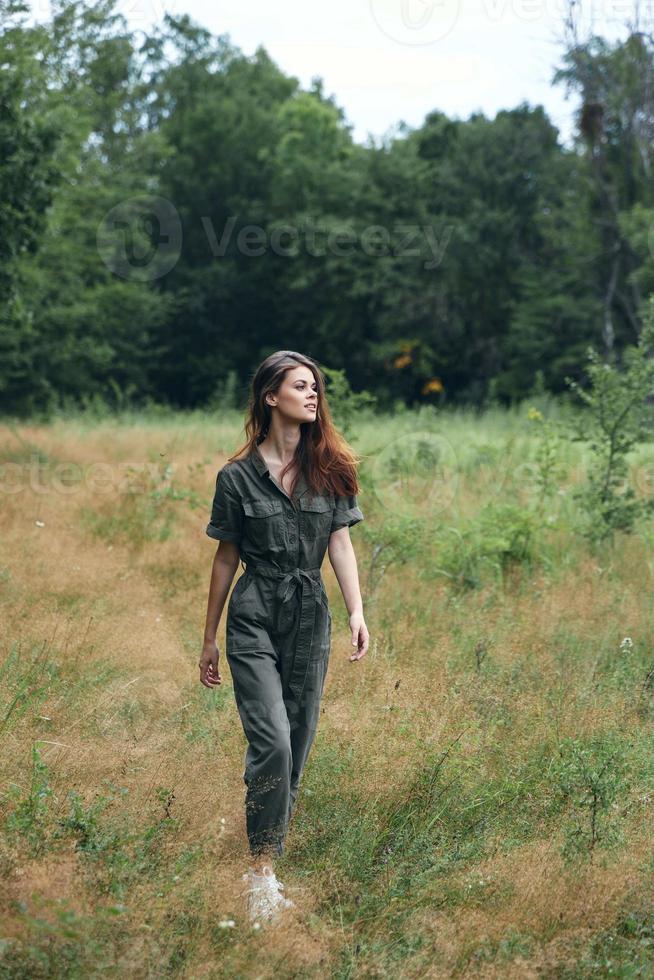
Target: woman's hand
[209,672]
[360,636]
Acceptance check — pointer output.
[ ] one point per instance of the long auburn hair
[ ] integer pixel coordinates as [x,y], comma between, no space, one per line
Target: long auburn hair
[324,458]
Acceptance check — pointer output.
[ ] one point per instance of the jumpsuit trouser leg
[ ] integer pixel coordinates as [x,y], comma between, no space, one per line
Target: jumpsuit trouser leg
[280,734]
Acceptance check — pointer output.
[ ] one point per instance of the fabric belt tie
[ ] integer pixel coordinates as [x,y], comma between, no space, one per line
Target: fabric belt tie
[310,583]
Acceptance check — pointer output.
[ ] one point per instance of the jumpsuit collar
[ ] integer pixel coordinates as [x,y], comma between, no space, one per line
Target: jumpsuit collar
[261,467]
[259,462]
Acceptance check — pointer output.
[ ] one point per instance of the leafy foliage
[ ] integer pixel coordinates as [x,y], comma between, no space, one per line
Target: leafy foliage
[619,418]
[452,262]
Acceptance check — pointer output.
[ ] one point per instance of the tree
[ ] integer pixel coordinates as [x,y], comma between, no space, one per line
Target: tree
[616,132]
[28,175]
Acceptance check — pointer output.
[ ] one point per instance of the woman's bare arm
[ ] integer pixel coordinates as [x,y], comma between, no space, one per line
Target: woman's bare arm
[225,563]
[344,562]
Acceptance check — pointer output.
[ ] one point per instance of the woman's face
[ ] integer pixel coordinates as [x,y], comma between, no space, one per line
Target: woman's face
[297,398]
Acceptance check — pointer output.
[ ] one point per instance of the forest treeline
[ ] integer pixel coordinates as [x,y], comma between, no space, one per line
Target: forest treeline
[172,210]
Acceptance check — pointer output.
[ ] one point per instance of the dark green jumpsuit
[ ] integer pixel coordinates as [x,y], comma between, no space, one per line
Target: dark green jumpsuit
[278,629]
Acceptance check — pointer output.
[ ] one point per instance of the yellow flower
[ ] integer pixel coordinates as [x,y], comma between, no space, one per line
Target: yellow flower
[402,360]
[535,415]
[434,384]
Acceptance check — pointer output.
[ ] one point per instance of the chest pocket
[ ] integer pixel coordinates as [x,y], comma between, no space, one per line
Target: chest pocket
[316,516]
[264,522]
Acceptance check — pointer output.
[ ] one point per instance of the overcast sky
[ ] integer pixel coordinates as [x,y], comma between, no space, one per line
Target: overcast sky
[392,60]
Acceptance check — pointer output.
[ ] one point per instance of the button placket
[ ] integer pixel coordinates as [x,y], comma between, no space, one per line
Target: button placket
[294,533]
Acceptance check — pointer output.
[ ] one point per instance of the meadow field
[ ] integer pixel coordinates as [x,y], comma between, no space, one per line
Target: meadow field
[479,801]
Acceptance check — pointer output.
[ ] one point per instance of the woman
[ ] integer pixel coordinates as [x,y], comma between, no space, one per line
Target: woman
[281,501]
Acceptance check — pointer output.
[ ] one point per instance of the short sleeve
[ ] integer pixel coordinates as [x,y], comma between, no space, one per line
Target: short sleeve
[346,513]
[226,515]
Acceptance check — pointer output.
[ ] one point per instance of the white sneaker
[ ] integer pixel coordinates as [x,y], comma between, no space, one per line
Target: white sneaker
[264,893]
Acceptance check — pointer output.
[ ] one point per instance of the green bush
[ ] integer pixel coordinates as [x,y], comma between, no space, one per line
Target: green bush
[499,538]
[618,419]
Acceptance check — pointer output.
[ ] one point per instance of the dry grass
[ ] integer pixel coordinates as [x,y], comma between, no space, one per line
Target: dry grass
[102,634]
